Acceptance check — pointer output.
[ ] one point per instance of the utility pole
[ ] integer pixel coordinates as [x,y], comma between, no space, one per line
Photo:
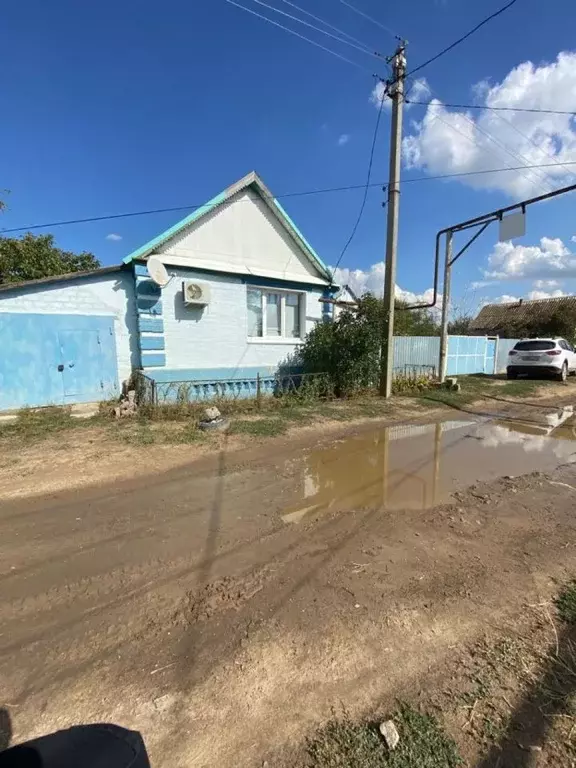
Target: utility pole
[445,308]
[396,93]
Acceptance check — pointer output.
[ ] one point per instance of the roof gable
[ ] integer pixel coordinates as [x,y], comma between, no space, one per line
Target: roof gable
[251,183]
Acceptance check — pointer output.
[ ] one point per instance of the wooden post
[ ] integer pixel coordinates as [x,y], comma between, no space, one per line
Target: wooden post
[258,391]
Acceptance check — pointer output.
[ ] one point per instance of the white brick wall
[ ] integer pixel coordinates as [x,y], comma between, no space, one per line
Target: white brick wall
[111,294]
[216,336]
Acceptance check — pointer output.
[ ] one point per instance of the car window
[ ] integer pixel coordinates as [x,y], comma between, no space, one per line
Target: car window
[562,343]
[534,346]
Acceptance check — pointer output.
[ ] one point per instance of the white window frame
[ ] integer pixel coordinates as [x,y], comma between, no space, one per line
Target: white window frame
[282,339]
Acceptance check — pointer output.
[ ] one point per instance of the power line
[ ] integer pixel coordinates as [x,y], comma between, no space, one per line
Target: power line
[534,144]
[499,143]
[516,155]
[491,138]
[362,48]
[302,37]
[461,39]
[496,109]
[366,187]
[365,15]
[304,193]
[326,23]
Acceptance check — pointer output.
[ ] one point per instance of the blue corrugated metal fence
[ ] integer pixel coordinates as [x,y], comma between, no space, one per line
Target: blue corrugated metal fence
[466,354]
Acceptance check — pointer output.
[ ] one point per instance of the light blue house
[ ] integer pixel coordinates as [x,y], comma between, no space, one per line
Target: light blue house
[245,288]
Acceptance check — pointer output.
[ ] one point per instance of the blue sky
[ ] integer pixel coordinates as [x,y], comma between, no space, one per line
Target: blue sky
[115,107]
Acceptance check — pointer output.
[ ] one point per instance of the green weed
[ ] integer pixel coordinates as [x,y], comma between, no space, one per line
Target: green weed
[32,425]
[423,744]
[258,427]
[566,603]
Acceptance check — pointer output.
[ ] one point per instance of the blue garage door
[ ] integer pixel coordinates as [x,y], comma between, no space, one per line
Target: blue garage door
[56,359]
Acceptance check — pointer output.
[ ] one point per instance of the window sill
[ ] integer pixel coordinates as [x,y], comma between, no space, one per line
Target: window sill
[270,340]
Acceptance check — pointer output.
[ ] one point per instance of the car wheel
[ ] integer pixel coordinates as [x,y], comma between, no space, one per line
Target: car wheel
[511,375]
[563,375]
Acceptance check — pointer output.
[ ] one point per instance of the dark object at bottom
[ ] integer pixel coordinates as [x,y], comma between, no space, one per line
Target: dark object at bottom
[533,370]
[82,746]
[215,424]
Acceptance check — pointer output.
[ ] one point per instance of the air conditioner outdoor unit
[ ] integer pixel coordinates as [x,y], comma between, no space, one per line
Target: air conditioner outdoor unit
[195,294]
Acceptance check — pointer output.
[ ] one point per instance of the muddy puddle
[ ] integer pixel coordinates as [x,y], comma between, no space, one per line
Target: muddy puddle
[415,467]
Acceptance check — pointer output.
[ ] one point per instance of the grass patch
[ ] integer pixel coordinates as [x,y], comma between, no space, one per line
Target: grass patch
[423,744]
[475,387]
[137,432]
[258,427]
[566,603]
[33,425]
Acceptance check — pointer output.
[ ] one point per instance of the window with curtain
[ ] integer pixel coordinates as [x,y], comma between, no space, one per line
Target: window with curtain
[274,314]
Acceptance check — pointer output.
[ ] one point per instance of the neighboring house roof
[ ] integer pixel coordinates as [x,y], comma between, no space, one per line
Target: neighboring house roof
[492,317]
[346,290]
[62,278]
[254,182]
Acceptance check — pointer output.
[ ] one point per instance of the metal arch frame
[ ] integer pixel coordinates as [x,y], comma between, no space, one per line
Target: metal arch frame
[483,223]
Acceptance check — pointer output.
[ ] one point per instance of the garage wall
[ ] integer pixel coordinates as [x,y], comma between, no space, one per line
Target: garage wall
[103,295]
[54,359]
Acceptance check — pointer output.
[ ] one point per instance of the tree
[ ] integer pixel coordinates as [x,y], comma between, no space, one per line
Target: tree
[34,256]
[414,322]
[460,326]
[348,349]
[546,322]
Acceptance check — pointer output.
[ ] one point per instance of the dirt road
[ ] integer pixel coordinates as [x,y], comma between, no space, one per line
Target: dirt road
[222,608]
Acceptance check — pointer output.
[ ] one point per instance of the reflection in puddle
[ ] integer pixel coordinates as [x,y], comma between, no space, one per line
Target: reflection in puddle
[414,467]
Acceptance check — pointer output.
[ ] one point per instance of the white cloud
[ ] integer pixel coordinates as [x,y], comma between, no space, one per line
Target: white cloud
[379,94]
[505,299]
[546,294]
[551,259]
[419,91]
[541,284]
[482,284]
[114,237]
[343,139]
[531,296]
[455,142]
[372,281]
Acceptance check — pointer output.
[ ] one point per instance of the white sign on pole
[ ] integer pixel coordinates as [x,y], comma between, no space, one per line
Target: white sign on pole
[512,226]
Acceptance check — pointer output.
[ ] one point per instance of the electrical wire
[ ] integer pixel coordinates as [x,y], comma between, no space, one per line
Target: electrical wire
[517,169]
[489,136]
[496,109]
[365,15]
[461,39]
[366,188]
[302,37]
[541,176]
[362,48]
[328,24]
[497,142]
[305,193]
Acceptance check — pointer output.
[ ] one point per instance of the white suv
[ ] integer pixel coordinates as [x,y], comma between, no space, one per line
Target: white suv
[552,357]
